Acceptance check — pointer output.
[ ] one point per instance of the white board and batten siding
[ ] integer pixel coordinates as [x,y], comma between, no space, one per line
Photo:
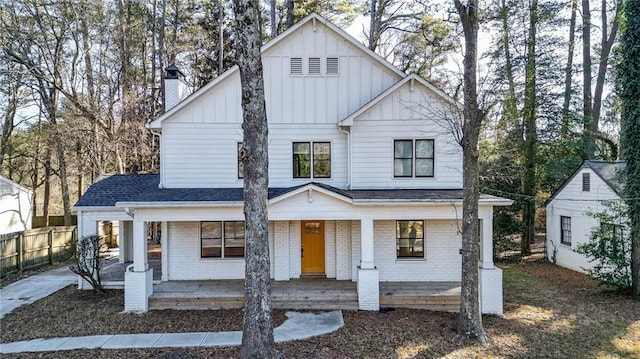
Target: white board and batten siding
[199,146]
[407,113]
[15,207]
[573,202]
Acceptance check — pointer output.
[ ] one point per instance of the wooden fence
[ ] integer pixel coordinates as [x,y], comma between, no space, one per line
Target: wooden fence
[34,248]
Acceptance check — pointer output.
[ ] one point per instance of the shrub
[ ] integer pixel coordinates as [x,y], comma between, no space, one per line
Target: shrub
[88,259]
[609,246]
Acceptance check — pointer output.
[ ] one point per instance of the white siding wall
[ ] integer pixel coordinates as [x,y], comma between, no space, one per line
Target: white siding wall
[404,114]
[199,140]
[15,207]
[572,202]
[202,155]
[442,262]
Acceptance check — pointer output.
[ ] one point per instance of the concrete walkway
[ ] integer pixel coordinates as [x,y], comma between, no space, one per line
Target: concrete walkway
[30,289]
[297,326]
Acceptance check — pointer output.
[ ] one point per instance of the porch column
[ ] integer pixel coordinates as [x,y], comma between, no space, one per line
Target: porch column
[368,279]
[490,276]
[125,244]
[164,247]
[138,277]
[87,226]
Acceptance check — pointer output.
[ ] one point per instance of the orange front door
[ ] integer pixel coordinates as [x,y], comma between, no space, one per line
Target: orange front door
[312,250]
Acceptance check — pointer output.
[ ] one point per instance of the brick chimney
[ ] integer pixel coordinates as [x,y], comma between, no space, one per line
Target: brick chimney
[175,88]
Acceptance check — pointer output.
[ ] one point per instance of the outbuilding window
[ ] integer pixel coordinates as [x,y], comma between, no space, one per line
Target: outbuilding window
[586,182]
[565,230]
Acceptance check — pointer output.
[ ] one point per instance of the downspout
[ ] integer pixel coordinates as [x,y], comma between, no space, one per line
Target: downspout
[159,135]
[348,133]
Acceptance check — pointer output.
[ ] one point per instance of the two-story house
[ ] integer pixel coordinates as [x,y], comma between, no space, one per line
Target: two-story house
[365,177]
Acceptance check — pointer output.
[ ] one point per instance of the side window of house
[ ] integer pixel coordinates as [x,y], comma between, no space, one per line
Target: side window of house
[410,239]
[565,230]
[222,239]
[413,158]
[311,160]
[240,162]
[613,235]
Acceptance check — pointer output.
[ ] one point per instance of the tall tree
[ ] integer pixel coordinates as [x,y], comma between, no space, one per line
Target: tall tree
[257,336]
[530,136]
[470,320]
[629,82]
[569,69]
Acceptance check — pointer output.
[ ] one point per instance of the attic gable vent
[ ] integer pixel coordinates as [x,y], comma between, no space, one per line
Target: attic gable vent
[586,182]
[314,66]
[296,65]
[332,66]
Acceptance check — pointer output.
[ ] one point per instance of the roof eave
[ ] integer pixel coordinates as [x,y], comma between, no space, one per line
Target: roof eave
[178,204]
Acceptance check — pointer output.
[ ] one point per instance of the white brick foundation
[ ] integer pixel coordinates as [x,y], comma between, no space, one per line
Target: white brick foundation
[491,290]
[138,286]
[368,289]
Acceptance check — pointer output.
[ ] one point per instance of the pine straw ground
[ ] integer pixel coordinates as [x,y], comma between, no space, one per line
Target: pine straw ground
[550,312]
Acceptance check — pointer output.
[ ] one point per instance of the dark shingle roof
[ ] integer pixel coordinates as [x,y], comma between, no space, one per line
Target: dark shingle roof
[144,188]
[610,172]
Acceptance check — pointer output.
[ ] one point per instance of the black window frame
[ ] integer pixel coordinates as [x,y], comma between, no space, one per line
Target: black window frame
[313,160]
[225,240]
[565,230]
[413,158]
[406,251]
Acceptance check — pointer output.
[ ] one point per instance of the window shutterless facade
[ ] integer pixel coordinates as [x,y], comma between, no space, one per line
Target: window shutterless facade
[410,239]
[565,230]
[413,158]
[222,239]
[311,160]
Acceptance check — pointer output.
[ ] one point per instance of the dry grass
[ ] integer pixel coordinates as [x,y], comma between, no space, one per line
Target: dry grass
[550,312]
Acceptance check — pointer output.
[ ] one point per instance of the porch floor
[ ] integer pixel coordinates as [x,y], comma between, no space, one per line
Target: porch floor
[304,294]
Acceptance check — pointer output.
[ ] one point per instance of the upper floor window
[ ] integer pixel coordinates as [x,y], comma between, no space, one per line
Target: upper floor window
[222,239]
[586,182]
[565,230]
[413,158]
[240,161]
[410,239]
[311,160]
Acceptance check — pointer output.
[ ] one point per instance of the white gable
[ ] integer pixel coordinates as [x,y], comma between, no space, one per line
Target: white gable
[409,110]
[297,98]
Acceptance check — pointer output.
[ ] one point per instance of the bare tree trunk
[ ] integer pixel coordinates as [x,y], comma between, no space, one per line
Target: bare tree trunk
[587,102]
[161,51]
[606,45]
[47,189]
[373,26]
[274,26]
[290,9]
[470,320]
[568,71]
[530,140]
[257,336]
[221,39]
